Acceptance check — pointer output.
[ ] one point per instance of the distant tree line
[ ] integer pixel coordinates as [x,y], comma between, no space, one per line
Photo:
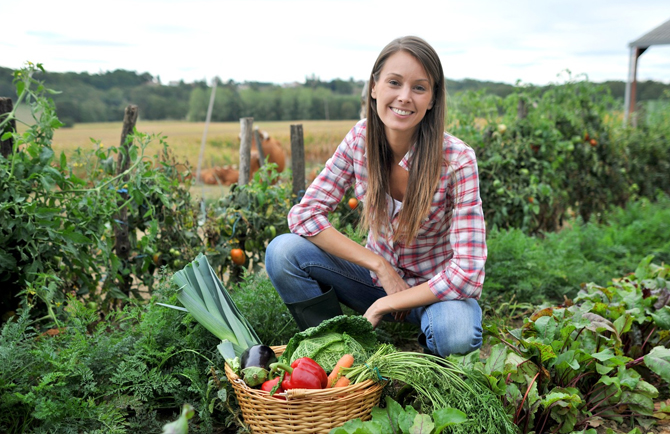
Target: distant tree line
[103,97]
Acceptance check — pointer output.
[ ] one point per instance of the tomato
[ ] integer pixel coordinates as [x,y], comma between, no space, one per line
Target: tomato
[157,258]
[270,232]
[249,245]
[353,203]
[238,256]
[594,142]
[586,137]
[531,200]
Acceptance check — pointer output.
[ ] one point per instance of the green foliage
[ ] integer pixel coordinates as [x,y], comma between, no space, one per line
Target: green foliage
[569,366]
[61,215]
[537,269]
[249,217]
[546,155]
[260,303]
[124,373]
[393,418]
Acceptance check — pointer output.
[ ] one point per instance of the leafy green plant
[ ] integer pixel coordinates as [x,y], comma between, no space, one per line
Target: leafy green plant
[127,373]
[570,366]
[533,269]
[60,215]
[548,154]
[248,218]
[393,418]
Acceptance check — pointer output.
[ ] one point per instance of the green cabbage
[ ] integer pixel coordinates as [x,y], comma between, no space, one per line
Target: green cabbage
[330,340]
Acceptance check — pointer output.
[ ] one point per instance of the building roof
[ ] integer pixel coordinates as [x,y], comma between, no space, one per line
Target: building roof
[659,36]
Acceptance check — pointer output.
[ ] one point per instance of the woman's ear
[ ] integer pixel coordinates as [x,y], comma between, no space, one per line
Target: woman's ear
[373,93]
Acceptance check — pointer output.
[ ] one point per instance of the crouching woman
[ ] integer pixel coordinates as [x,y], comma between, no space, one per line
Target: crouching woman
[426,241]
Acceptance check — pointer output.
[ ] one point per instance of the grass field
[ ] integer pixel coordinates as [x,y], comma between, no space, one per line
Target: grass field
[222,143]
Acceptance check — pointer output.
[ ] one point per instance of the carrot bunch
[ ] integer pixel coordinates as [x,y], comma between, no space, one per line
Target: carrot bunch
[335,378]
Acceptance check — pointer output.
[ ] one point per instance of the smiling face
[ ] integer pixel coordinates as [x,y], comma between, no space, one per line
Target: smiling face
[403,94]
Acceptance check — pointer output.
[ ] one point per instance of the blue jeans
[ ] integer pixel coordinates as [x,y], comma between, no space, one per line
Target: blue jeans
[299,269]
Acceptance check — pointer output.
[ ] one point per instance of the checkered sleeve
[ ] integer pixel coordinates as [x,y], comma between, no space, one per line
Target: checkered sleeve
[463,276]
[310,216]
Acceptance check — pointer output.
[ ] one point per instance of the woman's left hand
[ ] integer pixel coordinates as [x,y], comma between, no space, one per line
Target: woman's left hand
[373,314]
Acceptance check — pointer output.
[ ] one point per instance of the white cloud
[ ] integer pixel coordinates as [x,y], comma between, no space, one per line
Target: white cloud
[283,41]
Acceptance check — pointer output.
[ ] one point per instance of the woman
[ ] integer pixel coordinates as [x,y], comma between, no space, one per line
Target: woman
[426,245]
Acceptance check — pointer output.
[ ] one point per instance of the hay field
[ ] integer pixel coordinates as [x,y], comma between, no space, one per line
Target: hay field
[222,144]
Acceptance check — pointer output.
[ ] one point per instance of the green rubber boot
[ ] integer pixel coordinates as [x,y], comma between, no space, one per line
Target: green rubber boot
[310,313]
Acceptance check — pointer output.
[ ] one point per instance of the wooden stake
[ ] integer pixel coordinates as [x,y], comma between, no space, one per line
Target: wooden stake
[298,161]
[246,126]
[122,240]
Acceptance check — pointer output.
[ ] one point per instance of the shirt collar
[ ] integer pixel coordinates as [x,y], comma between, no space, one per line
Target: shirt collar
[404,163]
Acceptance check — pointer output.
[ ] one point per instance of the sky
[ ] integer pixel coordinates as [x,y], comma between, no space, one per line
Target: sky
[531,41]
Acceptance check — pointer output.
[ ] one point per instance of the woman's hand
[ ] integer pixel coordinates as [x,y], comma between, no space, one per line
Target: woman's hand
[389,279]
[392,283]
[374,314]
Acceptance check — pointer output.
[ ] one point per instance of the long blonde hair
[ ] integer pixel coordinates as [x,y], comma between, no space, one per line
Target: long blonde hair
[427,159]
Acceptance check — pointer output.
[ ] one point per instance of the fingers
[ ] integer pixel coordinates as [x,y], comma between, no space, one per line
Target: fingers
[400,315]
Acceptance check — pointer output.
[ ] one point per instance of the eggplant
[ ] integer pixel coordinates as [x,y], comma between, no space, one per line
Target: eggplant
[255,364]
[258,355]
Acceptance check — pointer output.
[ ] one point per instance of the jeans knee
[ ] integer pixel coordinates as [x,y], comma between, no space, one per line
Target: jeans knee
[279,253]
[460,341]
[458,328]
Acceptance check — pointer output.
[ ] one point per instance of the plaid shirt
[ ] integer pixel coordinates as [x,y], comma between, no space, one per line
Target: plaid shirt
[449,250]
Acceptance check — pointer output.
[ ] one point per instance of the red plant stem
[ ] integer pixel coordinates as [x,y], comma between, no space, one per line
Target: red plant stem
[580,376]
[635,362]
[648,336]
[567,339]
[546,417]
[595,389]
[601,401]
[512,347]
[516,417]
[612,407]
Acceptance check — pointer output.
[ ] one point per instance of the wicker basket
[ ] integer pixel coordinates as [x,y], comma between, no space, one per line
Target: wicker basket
[304,411]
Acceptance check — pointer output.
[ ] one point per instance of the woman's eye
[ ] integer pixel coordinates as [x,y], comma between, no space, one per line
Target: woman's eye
[393,82]
[420,88]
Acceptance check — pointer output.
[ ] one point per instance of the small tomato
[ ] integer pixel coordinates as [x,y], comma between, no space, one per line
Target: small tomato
[594,142]
[238,256]
[353,203]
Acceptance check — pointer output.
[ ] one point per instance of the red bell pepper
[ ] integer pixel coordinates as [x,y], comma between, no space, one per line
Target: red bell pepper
[270,384]
[304,373]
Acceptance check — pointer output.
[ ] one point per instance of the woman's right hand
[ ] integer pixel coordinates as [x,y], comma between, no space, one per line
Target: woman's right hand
[392,283]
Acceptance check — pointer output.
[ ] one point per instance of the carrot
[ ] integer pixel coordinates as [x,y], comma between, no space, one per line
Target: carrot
[346,361]
[342,382]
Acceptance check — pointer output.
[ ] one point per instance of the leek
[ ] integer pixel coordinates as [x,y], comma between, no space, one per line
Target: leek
[206,299]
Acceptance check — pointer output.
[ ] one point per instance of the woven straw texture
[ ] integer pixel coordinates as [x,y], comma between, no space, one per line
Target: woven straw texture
[304,411]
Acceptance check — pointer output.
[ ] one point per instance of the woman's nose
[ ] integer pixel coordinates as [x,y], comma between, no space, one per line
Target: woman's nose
[405,94]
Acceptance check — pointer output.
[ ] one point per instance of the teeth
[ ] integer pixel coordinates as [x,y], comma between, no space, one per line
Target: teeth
[400,112]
